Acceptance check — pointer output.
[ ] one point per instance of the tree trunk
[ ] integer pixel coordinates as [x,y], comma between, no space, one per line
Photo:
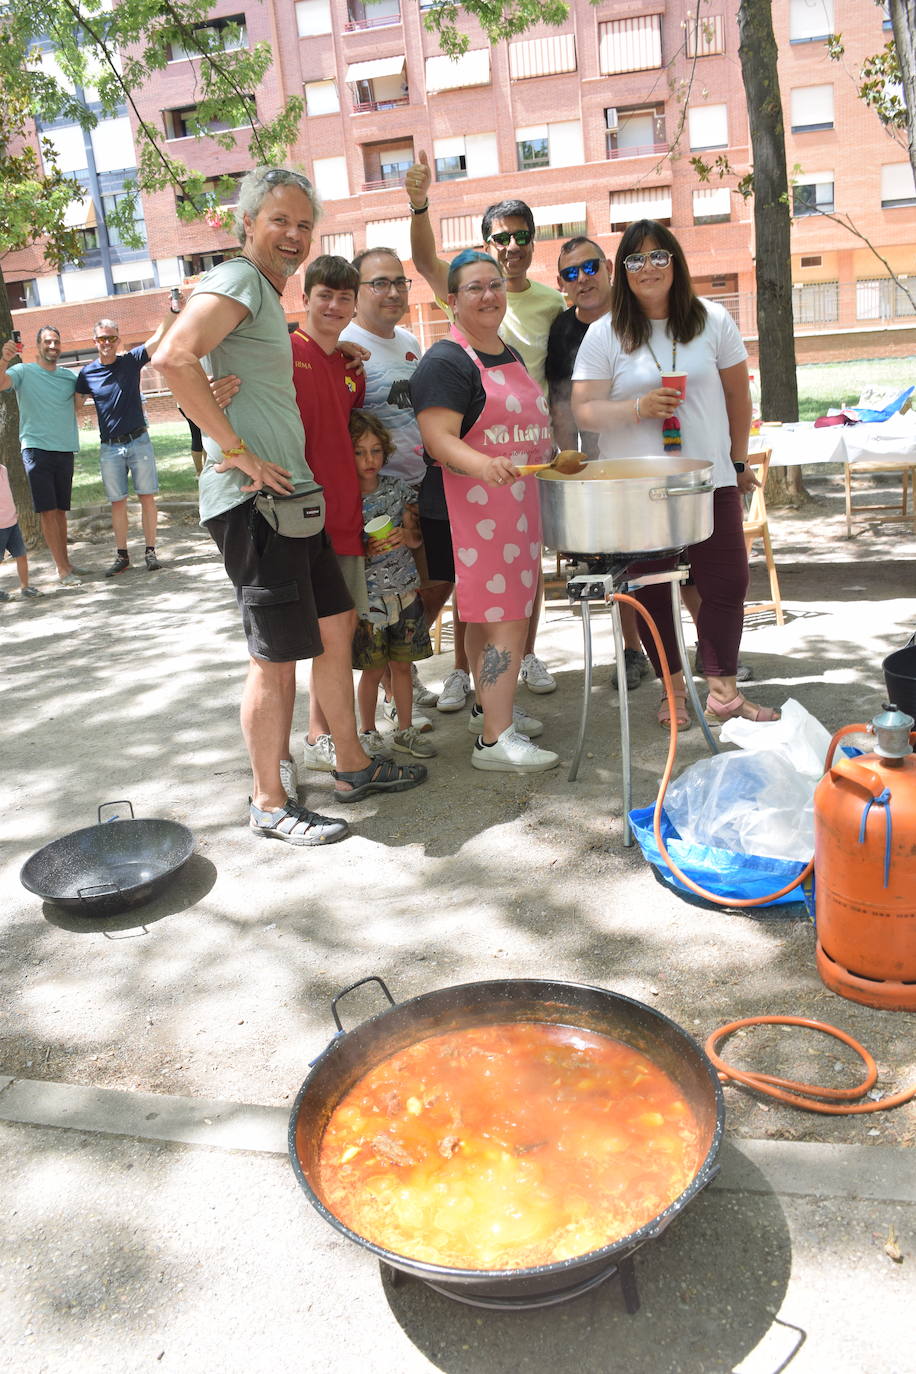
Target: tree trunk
[903,18]
[10,452]
[773,263]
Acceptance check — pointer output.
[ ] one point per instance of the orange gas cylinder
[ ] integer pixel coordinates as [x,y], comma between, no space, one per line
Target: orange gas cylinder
[865,869]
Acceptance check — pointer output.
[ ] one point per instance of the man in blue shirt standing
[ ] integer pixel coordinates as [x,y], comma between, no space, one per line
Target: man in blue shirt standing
[113,382]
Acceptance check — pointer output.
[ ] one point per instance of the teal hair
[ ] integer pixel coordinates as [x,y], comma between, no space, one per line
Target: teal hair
[464,259]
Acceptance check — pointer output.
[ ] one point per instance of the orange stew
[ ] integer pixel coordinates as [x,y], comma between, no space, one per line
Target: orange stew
[508,1146]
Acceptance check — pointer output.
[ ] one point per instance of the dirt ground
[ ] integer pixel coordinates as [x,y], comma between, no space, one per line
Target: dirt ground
[221,987]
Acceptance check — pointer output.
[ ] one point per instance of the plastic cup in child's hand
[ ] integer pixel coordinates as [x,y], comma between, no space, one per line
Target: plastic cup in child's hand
[677,381]
[380,527]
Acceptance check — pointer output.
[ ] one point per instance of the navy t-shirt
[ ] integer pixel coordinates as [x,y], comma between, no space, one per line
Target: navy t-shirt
[116,392]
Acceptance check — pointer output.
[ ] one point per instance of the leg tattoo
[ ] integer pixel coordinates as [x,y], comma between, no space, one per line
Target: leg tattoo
[493,663]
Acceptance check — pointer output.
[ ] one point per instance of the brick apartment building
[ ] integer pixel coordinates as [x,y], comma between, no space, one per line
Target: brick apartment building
[593,124]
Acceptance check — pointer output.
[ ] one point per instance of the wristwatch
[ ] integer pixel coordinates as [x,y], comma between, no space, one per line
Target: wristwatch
[739,467]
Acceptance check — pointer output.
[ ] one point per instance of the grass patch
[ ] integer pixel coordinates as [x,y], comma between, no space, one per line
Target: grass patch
[820,387]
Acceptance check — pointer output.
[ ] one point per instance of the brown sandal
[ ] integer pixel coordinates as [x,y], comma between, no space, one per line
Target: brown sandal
[719,711]
[664,712]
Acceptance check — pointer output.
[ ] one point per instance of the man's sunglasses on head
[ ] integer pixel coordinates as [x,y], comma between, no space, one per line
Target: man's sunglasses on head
[635,262]
[279,176]
[587,268]
[522,237]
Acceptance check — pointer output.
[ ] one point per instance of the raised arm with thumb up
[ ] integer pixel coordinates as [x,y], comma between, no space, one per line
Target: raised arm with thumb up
[419,177]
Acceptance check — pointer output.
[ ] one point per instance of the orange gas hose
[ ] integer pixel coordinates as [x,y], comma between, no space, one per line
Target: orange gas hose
[805,1095]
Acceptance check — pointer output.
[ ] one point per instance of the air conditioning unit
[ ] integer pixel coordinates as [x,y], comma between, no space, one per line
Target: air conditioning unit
[611,118]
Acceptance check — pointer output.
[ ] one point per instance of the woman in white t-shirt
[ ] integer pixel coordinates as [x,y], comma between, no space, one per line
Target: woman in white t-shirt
[659,325]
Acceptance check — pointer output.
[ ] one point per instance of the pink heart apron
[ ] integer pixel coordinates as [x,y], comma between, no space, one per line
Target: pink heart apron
[496,531]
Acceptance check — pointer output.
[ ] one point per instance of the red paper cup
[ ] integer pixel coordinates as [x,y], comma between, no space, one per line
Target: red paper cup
[677,381]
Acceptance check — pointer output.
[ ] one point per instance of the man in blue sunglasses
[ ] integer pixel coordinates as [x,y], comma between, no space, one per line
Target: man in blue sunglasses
[584,274]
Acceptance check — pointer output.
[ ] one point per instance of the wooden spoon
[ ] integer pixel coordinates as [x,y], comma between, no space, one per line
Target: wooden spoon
[567,462]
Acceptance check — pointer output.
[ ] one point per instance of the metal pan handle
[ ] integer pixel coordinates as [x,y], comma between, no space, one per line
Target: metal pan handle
[122,802]
[662,493]
[89,894]
[372,978]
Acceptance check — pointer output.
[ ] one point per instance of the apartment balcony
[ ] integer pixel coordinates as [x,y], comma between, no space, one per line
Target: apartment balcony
[386,183]
[373,106]
[638,150]
[377,21]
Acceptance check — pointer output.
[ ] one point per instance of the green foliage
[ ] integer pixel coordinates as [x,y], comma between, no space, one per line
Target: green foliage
[499,19]
[879,87]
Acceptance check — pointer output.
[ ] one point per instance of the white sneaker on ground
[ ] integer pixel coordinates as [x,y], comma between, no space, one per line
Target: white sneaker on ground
[536,677]
[523,723]
[417,721]
[410,741]
[374,743]
[455,691]
[513,753]
[421,694]
[289,777]
[320,756]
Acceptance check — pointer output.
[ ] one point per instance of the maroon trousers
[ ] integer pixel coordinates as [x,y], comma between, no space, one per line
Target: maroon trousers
[718,567]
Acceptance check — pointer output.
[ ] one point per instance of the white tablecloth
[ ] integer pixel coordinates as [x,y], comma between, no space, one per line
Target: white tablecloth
[794,445]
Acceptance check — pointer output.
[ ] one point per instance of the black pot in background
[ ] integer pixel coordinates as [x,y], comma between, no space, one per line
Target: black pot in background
[351,1055]
[900,677]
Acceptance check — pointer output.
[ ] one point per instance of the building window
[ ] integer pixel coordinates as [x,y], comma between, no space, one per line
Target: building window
[472,68]
[708,127]
[459,231]
[112,203]
[374,15]
[712,205]
[183,123]
[630,45]
[881,298]
[331,179]
[559,221]
[635,132]
[313,17]
[705,35]
[816,302]
[378,85]
[811,261]
[813,194]
[341,245]
[321,98]
[542,56]
[22,295]
[467,155]
[124,288]
[217,35]
[390,233]
[652,202]
[386,164]
[810,20]
[549,145]
[194,264]
[897,185]
[812,108]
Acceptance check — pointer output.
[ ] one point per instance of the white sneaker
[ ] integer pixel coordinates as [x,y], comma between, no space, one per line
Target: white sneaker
[513,753]
[410,741]
[455,691]
[536,677]
[417,721]
[374,743]
[523,723]
[421,694]
[289,777]
[320,756]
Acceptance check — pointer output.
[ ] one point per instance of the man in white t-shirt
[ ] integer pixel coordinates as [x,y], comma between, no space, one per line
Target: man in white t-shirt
[507,231]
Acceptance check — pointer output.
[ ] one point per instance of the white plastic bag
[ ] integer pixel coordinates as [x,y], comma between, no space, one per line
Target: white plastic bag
[759,800]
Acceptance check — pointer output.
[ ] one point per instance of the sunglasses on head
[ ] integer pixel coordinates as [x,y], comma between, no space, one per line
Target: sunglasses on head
[635,262]
[589,268]
[279,176]
[522,237]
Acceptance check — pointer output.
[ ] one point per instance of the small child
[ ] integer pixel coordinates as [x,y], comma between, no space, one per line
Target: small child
[395,634]
[11,540]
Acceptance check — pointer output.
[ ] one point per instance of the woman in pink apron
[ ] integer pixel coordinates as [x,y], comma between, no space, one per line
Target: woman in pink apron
[481,417]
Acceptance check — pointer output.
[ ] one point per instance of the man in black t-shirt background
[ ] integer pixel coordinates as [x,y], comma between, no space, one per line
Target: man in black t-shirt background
[584,274]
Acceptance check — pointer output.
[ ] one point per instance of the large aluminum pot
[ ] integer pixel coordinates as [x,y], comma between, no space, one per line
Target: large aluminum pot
[628,505]
[351,1055]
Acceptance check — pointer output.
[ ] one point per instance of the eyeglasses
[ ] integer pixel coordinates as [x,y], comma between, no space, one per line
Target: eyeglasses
[589,267]
[475,289]
[659,257]
[106,338]
[522,237]
[382,285]
[279,176]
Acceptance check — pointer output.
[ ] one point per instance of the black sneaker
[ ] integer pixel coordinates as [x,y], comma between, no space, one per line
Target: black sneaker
[121,564]
[152,562]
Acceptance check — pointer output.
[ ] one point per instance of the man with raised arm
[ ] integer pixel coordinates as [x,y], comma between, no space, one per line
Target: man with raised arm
[289,587]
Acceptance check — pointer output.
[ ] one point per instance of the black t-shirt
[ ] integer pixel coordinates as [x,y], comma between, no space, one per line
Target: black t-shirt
[566,334]
[446,377]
